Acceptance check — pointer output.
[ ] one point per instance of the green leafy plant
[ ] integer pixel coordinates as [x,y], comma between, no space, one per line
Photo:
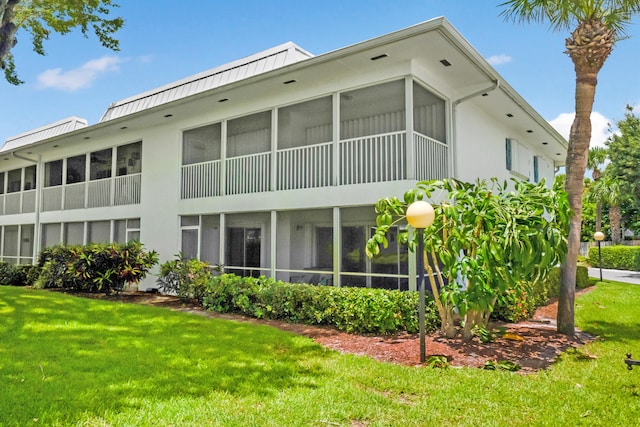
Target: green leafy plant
[487,238]
[356,310]
[186,278]
[505,365]
[483,334]
[105,267]
[18,274]
[616,257]
[437,361]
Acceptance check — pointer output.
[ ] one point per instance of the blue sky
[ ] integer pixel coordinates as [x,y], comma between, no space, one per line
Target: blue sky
[164,41]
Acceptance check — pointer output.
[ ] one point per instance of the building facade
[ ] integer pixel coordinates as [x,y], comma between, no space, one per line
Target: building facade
[272,164]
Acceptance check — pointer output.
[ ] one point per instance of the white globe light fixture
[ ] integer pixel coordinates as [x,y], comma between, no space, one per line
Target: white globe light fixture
[420,215]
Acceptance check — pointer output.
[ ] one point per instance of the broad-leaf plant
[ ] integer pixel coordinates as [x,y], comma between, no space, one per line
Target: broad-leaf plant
[486,237]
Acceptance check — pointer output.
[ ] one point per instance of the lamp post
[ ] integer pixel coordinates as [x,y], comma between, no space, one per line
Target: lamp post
[420,215]
[599,237]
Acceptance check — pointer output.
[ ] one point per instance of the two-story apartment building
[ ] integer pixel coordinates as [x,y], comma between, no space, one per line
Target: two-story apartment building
[272,164]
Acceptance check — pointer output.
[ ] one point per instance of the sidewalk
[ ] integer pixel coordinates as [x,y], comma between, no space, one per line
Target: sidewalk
[625,276]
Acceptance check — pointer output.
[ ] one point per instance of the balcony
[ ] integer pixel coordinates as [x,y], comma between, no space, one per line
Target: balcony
[118,191]
[374,158]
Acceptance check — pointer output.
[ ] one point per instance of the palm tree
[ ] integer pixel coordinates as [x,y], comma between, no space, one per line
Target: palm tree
[595,27]
[595,158]
[609,191]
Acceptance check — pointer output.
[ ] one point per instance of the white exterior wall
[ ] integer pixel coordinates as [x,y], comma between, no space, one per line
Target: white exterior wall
[480,147]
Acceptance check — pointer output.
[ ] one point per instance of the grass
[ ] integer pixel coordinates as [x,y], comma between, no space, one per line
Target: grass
[67,361]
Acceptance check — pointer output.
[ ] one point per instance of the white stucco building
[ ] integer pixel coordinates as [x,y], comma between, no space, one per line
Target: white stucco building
[271,164]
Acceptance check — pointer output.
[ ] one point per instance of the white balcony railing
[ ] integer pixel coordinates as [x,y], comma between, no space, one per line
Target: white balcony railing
[375,158]
[431,158]
[127,189]
[248,174]
[201,180]
[305,167]
[121,190]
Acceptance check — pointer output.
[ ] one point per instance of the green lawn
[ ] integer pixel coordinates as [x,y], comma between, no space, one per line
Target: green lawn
[71,361]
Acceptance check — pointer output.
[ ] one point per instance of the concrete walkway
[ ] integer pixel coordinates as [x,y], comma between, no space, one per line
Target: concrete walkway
[616,275]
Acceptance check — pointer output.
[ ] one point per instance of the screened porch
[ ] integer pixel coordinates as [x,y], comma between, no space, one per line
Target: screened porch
[309,145]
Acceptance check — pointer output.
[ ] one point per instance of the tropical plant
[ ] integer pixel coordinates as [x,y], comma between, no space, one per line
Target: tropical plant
[42,17]
[105,267]
[609,191]
[624,153]
[187,278]
[596,26]
[596,157]
[486,238]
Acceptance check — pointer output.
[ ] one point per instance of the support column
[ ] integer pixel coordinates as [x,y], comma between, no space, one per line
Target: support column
[337,247]
[273,243]
[408,107]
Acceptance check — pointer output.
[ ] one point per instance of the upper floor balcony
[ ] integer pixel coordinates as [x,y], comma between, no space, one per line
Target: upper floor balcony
[350,138]
[375,158]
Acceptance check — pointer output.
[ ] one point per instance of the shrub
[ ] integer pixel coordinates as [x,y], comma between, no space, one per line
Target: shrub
[53,263]
[104,267]
[356,310]
[616,257]
[522,301]
[185,278]
[17,275]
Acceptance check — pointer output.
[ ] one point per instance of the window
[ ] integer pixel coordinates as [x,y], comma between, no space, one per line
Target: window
[518,159]
[100,167]
[15,181]
[428,114]
[2,174]
[76,170]
[306,123]
[30,178]
[26,243]
[99,231]
[74,233]
[201,144]
[10,247]
[536,173]
[243,250]
[51,234]
[53,173]
[190,236]
[249,135]
[129,159]
[126,230]
[372,110]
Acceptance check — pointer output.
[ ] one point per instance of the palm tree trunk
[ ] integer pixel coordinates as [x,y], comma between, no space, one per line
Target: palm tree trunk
[598,216]
[615,219]
[576,165]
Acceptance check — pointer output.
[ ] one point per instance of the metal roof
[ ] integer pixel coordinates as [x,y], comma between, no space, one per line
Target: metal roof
[45,132]
[262,62]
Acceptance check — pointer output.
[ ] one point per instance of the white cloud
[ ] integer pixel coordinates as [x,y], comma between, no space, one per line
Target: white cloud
[599,127]
[81,77]
[499,59]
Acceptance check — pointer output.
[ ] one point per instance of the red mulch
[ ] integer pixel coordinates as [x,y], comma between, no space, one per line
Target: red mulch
[539,348]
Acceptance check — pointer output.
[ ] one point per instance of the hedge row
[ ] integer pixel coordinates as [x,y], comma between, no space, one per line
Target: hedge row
[355,310]
[617,257]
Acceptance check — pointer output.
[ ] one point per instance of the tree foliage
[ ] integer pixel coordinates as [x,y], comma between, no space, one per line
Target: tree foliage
[596,26]
[624,153]
[39,18]
[487,238]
